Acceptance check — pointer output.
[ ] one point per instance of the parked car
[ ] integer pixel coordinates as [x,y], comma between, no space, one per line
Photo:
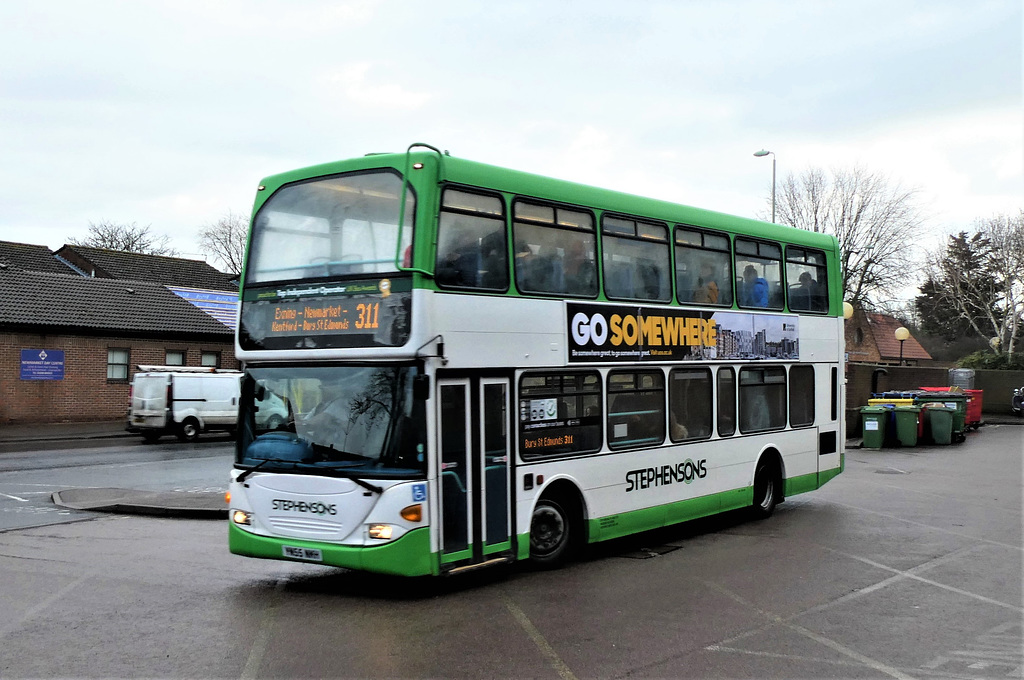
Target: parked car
[1017,402]
[183,401]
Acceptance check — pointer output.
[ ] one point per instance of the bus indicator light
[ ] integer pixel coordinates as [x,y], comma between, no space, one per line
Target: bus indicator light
[412,513]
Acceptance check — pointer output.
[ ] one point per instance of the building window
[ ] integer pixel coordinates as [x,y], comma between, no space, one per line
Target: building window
[211,359]
[174,357]
[117,363]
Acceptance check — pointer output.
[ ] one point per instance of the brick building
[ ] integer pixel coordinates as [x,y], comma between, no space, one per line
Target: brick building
[871,338]
[75,324]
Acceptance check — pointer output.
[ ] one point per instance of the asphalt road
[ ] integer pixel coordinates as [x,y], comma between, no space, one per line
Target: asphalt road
[909,565]
[28,478]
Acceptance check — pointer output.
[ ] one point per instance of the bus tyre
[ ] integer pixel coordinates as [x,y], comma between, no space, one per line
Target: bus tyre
[767,487]
[550,534]
[189,430]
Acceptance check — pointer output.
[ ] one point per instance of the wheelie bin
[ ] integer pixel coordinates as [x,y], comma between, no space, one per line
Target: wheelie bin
[908,420]
[940,422]
[957,401]
[873,419]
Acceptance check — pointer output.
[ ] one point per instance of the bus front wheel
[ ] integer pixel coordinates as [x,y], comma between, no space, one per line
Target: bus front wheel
[550,534]
[767,487]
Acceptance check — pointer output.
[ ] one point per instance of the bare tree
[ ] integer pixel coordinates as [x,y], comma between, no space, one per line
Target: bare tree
[129,238]
[875,221]
[977,283]
[225,239]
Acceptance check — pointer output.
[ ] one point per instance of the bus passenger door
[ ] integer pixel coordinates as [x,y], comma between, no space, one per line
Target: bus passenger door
[494,456]
[474,469]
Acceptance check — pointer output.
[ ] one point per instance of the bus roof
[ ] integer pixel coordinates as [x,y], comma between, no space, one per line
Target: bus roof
[484,176]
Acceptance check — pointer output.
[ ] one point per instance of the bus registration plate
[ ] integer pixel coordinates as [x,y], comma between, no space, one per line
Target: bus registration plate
[302,553]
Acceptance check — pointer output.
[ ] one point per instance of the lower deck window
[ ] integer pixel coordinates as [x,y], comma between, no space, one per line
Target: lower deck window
[636,409]
[559,413]
[762,399]
[801,396]
[689,399]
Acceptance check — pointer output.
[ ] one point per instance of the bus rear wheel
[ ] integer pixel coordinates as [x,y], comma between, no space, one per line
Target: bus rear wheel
[551,534]
[767,487]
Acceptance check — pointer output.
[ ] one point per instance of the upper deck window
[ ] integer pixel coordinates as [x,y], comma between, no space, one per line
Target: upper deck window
[555,250]
[808,280]
[471,248]
[703,267]
[758,274]
[331,226]
[636,259]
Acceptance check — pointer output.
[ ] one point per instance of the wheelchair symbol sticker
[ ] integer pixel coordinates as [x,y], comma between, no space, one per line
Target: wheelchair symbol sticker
[419,492]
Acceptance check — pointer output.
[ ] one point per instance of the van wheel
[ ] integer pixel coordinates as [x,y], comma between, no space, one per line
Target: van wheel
[189,430]
[767,487]
[274,422]
[551,534]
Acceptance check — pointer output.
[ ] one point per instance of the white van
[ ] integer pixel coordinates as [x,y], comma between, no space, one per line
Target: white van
[183,401]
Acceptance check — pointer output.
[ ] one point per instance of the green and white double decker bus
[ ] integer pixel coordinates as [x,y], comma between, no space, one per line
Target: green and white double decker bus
[480,365]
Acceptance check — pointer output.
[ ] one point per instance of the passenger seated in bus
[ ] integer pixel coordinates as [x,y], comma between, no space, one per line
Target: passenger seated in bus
[650,280]
[494,264]
[459,266]
[579,270]
[802,293]
[707,287]
[753,289]
[533,272]
[677,429]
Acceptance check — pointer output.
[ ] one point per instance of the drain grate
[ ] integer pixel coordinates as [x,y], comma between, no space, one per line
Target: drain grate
[648,553]
[891,471]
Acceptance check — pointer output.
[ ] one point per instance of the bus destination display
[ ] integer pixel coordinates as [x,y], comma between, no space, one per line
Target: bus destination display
[349,314]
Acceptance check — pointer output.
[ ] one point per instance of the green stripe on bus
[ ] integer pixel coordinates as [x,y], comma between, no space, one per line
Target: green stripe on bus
[407,556]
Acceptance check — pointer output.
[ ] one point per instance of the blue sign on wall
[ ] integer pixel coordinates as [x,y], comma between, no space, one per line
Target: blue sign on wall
[42,364]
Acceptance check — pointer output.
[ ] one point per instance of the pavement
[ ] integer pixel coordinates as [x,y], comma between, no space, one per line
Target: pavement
[193,505]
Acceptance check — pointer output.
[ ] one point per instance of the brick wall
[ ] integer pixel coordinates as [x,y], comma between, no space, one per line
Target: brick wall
[997,386]
[84,394]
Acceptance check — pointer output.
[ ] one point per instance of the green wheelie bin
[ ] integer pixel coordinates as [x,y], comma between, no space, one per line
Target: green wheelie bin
[907,421]
[873,426]
[956,401]
[940,422]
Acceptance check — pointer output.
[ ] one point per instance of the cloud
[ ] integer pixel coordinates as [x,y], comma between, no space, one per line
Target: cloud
[361,84]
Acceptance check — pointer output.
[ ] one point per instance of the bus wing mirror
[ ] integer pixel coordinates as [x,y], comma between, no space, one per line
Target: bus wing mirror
[421,387]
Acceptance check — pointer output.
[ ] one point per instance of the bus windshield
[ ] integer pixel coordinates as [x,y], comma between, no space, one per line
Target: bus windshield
[328,227]
[355,419]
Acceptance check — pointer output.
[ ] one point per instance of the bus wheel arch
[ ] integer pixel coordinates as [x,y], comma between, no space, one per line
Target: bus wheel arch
[557,525]
[769,473]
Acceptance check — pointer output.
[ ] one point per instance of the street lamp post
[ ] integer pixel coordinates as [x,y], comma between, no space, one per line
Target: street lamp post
[902,334]
[761,154]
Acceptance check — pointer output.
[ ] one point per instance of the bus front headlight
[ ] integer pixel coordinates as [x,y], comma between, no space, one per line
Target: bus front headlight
[380,531]
[241,517]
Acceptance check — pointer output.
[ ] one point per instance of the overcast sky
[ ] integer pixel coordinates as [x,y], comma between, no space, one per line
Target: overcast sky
[169,113]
